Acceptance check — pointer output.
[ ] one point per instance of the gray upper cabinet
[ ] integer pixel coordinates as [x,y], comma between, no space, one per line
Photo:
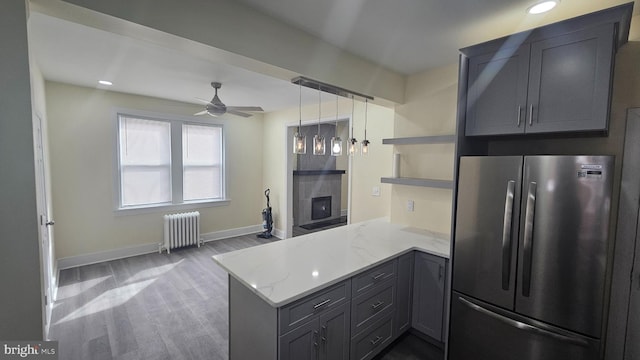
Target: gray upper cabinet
[428,294]
[497,92]
[569,82]
[545,83]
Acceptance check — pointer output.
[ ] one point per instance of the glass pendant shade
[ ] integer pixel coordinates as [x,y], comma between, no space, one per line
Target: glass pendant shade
[365,147]
[353,146]
[299,144]
[318,145]
[336,146]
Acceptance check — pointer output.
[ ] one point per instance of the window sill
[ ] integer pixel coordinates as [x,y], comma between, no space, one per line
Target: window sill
[170,207]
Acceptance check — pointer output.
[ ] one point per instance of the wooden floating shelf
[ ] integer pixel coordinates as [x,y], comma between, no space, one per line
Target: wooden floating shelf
[439,139]
[432,183]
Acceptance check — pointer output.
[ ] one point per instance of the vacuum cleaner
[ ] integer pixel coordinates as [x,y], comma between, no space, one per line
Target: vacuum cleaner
[267,219]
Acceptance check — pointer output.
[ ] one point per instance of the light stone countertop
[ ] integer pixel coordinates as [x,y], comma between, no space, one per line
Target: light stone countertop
[287,270]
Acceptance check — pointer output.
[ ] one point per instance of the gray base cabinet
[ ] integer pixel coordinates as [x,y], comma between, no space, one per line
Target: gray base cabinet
[548,84]
[404,293]
[325,337]
[428,294]
[354,319]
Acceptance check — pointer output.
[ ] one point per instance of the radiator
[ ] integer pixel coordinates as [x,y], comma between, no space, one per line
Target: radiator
[181,230]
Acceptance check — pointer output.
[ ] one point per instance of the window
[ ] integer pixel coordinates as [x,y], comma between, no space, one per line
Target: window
[168,162]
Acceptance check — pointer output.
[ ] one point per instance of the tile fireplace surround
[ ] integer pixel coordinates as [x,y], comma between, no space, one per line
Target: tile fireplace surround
[316,177]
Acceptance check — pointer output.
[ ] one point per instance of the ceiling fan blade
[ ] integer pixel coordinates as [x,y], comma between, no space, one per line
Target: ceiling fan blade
[245,108]
[200,113]
[203,100]
[239,113]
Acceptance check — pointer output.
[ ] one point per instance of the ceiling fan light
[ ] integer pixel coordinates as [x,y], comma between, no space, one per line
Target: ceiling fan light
[542,7]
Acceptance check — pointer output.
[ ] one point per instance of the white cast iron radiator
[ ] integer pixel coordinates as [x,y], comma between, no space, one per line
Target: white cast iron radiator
[181,230]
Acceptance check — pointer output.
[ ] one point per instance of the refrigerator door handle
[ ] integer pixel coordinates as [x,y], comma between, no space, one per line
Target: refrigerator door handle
[506,234]
[523,326]
[528,239]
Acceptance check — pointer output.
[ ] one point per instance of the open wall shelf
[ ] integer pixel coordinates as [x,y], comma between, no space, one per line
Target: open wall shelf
[432,183]
[438,139]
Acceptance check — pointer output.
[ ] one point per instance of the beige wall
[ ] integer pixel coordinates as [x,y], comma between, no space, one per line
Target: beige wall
[430,110]
[82,134]
[366,171]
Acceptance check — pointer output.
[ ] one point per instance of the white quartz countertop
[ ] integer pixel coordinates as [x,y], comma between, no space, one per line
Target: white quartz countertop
[287,270]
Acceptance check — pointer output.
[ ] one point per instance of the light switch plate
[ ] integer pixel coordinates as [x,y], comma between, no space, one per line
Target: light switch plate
[375,191]
[410,205]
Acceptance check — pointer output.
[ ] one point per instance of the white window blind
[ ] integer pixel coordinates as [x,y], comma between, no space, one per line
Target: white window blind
[166,162]
[201,162]
[145,161]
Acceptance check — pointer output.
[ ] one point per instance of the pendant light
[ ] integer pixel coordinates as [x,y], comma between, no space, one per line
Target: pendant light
[365,143]
[299,140]
[318,140]
[353,143]
[336,141]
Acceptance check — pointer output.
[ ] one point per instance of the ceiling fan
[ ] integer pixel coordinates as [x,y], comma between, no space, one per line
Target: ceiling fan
[215,107]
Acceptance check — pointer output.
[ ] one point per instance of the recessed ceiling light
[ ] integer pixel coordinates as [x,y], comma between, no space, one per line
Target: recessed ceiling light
[542,7]
[105,82]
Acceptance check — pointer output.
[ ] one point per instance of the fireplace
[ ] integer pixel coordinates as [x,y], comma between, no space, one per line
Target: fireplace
[320,207]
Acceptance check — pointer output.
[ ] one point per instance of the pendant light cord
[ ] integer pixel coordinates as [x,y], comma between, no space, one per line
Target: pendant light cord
[319,109]
[353,102]
[300,106]
[366,102]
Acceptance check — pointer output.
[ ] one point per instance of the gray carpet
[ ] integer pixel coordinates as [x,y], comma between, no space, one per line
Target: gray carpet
[158,307]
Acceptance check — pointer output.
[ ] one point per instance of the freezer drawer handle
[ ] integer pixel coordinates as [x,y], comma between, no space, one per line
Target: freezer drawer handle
[506,235]
[528,239]
[523,326]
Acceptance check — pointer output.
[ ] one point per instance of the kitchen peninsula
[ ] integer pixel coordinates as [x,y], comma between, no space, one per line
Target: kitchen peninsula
[343,293]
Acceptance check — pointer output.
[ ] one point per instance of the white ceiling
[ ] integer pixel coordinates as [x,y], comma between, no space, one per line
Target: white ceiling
[406,36]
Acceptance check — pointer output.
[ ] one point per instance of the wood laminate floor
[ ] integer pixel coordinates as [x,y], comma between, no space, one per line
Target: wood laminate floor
[159,306]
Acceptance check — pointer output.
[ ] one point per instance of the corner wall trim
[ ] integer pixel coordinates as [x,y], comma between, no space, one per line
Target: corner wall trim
[129,251]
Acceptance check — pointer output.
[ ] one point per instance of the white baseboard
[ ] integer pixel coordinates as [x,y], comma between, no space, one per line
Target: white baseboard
[124,252]
[225,234]
[278,233]
[92,258]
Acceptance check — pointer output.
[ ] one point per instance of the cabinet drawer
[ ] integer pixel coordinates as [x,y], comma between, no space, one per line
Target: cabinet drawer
[373,340]
[297,313]
[373,305]
[372,277]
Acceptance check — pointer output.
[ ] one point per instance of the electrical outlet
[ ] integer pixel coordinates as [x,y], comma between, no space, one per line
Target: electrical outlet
[410,204]
[375,191]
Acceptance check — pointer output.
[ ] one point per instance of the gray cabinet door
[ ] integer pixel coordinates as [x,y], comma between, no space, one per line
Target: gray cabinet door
[403,293]
[570,81]
[301,343]
[497,92]
[335,334]
[428,294]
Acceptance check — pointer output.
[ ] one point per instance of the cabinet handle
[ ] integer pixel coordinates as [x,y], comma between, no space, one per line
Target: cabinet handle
[440,268]
[519,114]
[375,341]
[531,115]
[377,305]
[321,304]
[324,336]
[379,276]
[315,344]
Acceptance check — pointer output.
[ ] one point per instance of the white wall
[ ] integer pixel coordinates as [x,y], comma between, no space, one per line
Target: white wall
[21,295]
[82,133]
[430,109]
[366,171]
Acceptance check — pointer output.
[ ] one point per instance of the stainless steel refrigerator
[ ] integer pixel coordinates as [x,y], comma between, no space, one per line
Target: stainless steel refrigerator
[530,257]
